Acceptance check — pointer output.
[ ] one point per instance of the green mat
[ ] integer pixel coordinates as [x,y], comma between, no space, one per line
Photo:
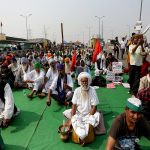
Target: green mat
[36,128]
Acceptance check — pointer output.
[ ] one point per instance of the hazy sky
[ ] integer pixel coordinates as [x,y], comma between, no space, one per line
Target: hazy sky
[77,16]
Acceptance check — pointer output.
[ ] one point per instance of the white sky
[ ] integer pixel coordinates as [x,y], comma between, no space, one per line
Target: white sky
[77,16]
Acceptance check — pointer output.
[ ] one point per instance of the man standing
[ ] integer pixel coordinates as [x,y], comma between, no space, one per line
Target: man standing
[116,47]
[136,51]
[122,47]
[128,128]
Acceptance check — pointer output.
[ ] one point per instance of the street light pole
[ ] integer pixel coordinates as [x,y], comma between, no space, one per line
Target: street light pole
[27,26]
[141,11]
[26,18]
[99,28]
[102,29]
[45,32]
[83,37]
[1,27]
[89,35]
[89,30]
[99,18]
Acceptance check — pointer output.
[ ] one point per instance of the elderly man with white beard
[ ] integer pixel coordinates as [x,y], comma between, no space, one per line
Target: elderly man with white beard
[84,108]
[22,71]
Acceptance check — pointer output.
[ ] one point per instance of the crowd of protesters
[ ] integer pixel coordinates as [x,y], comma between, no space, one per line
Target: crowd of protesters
[52,73]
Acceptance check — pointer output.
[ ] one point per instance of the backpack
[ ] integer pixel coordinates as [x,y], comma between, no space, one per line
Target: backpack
[99,81]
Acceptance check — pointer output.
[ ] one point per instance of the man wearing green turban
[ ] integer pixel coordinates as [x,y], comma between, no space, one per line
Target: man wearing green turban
[37,65]
[35,79]
[60,53]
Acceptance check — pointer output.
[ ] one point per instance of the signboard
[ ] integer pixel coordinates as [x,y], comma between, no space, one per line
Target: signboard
[117,67]
[110,76]
[2,37]
[138,26]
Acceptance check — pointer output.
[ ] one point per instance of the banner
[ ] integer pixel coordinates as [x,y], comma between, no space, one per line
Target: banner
[110,76]
[117,67]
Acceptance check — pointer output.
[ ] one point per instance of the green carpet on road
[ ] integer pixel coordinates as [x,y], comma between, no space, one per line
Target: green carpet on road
[36,128]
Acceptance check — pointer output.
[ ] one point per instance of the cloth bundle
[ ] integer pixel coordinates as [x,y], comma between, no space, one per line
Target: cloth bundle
[81,123]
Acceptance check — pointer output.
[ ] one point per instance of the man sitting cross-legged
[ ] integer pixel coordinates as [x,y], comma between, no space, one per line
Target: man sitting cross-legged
[84,109]
[35,79]
[50,75]
[61,87]
[23,69]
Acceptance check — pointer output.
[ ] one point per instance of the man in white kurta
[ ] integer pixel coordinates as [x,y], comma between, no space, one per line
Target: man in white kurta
[50,76]
[84,110]
[136,51]
[36,78]
[7,106]
[23,69]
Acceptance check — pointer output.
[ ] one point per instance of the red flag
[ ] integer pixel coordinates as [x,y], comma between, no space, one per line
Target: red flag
[73,63]
[97,50]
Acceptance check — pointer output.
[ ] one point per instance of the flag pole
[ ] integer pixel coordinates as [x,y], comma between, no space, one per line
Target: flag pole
[1,28]
[62,37]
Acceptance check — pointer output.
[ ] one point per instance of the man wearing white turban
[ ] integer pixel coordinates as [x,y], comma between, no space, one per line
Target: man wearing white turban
[50,75]
[23,69]
[84,108]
